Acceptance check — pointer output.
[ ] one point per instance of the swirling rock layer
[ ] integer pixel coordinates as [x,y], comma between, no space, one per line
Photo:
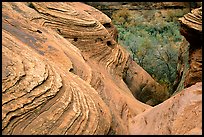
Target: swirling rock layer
[39,93]
[63,72]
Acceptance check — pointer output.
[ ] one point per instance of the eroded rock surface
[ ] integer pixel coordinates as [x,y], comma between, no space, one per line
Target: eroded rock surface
[180,114]
[63,72]
[39,93]
[191,29]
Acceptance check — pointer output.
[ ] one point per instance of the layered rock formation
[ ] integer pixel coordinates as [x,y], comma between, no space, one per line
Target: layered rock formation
[63,72]
[40,94]
[191,29]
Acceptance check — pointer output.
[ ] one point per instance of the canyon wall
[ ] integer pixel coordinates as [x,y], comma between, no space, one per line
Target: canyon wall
[109,7]
[63,72]
[180,114]
[191,29]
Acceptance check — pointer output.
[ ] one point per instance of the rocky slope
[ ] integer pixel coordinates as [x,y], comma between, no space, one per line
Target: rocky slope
[181,115]
[63,72]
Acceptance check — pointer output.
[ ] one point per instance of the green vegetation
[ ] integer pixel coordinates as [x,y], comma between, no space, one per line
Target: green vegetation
[153,39]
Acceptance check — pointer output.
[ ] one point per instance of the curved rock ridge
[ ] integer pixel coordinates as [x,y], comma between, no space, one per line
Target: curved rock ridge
[96,44]
[191,29]
[98,48]
[62,84]
[63,72]
[82,30]
[194,19]
[39,93]
[179,115]
[98,15]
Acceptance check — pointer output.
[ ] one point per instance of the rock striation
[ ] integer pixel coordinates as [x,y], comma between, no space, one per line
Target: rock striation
[40,94]
[191,29]
[63,72]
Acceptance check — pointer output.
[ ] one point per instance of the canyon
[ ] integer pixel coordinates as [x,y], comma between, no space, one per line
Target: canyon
[63,72]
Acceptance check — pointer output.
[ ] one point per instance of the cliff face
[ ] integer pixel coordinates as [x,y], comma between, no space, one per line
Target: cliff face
[190,55]
[191,29]
[110,7]
[63,72]
[141,5]
[180,114]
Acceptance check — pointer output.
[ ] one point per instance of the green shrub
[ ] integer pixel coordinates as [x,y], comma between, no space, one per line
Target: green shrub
[153,41]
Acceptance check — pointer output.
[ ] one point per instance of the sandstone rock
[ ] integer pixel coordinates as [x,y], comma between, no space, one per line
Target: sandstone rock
[191,29]
[62,72]
[40,95]
[143,86]
[101,17]
[182,113]
[179,115]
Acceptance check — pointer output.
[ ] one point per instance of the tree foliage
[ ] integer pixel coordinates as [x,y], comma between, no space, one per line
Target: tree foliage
[152,39]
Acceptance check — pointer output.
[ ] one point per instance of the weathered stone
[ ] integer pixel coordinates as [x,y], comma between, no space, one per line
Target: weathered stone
[63,72]
[191,29]
[181,114]
[66,77]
